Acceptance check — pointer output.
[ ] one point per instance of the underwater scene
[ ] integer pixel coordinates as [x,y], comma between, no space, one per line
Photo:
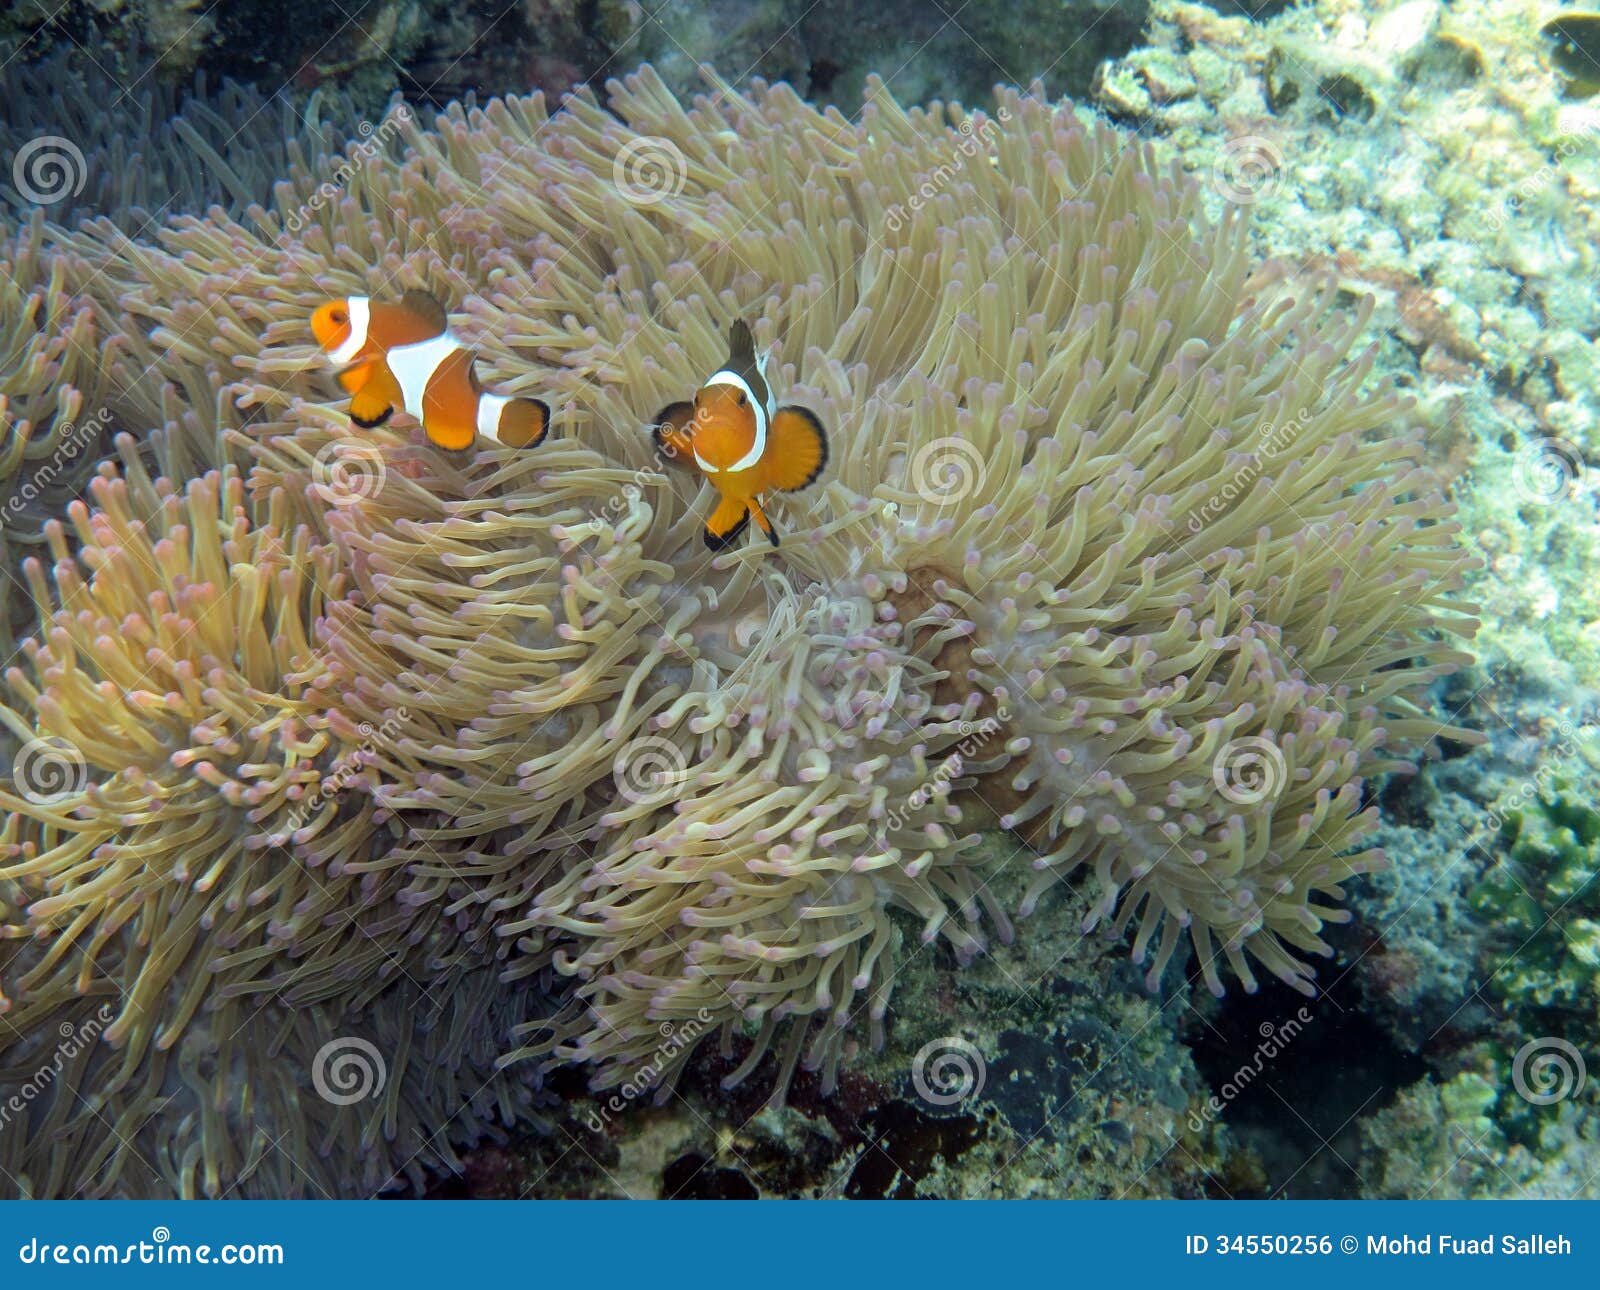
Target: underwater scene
[635,598]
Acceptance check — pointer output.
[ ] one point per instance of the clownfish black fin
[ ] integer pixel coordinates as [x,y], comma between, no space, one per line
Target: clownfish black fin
[764,522]
[741,345]
[523,423]
[372,423]
[425,305]
[797,449]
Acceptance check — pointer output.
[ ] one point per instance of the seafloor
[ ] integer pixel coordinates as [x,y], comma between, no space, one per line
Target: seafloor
[1441,159]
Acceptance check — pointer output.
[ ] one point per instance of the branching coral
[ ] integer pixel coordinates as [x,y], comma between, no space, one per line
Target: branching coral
[1109,510]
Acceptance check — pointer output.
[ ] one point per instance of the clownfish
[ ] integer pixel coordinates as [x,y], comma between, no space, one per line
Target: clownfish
[744,444]
[405,356]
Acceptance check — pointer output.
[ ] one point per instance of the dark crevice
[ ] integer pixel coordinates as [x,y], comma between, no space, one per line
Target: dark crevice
[1296,1076]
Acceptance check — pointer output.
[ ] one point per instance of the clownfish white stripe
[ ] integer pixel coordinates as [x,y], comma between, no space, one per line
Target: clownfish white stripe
[413,367]
[489,406]
[360,310]
[750,458]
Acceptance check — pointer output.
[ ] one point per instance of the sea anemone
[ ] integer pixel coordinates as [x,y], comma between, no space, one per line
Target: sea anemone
[190,848]
[1131,487]
[54,423]
[1111,514]
[83,141]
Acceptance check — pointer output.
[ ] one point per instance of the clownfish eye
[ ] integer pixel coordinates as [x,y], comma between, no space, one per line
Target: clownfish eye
[742,399]
[340,318]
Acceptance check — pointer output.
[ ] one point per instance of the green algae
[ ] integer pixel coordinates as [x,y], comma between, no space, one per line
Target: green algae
[1543,898]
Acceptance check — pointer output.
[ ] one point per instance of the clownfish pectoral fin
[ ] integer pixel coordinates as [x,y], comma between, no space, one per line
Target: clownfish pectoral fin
[376,397]
[797,450]
[427,310]
[671,434]
[763,522]
[352,378]
[727,522]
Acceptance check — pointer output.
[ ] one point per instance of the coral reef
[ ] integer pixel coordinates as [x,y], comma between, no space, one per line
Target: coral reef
[1122,552]
[1441,158]
[1471,1137]
[1542,899]
[435,52]
[1462,199]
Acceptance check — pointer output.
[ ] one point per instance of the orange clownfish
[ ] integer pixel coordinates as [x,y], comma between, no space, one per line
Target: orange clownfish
[742,442]
[405,356]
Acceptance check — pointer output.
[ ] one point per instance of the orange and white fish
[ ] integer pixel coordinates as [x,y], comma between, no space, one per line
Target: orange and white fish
[741,441]
[404,355]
